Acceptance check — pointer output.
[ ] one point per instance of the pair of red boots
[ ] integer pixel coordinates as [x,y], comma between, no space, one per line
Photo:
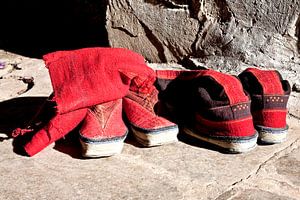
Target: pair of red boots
[92,88]
[103,130]
[226,110]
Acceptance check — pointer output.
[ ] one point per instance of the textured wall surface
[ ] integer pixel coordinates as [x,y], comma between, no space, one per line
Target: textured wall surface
[228,33]
[222,34]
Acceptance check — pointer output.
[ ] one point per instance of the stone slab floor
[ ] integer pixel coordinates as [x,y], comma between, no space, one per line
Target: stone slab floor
[185,170]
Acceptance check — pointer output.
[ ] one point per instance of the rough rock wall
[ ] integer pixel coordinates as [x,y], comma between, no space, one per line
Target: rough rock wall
[161,32]
[223,33]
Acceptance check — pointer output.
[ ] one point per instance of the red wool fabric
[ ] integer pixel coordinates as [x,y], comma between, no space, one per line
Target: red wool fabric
[104,122]
[143,118]
[83,78]
[183,74]
[232,86]
[270,118]
[233,128]
[271,85]
[90,76]
[58,127]
[269,81]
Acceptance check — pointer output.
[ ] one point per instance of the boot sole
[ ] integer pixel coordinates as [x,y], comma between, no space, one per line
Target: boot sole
[102,148]
[268,135]
[231,145]
[149,138]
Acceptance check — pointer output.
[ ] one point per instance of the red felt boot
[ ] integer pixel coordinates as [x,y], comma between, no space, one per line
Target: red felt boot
[148,128]
[103,131]
[211,106]
[269,95]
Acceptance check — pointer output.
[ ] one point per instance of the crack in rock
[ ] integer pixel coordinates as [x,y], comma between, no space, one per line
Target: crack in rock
[294,116]
[125,31]
[169,4]
[154,41]
[279,153]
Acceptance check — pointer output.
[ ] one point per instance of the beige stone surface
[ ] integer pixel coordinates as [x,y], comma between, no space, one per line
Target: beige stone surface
[17,68]
[185,170]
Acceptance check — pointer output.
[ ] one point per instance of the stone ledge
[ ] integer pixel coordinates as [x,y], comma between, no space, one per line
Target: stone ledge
[185,170]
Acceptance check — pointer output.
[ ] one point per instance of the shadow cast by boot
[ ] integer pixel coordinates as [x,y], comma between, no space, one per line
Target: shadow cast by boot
[17,112]
[70,144]
[200,144]
[130,139]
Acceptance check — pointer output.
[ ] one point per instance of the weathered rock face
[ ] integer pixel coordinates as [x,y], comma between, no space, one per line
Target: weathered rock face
[161,32]
[222,34]
[227,33]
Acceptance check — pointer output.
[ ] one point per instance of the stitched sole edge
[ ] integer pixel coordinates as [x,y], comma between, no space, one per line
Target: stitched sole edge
[104,148]
[268,135]
[157,138]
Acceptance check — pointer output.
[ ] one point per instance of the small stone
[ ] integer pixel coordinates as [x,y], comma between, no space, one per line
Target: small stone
[16,66]
[2,65]
[27,79]
[296,86]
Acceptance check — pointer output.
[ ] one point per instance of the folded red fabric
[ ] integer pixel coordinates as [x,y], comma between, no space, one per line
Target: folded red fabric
[86,77]
[58,127]
[90,76]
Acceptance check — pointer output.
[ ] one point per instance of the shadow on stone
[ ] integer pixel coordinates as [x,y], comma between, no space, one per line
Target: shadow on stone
[261,143]
[298,32]
[33,28]
[70,145]
[132,141]
[201,144]
[18,112]
[171,4]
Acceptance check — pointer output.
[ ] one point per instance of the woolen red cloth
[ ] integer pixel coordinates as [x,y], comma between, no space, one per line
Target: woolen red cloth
[58,127]
[84,78]
[232,86]
[269,81]
[270,109]
[90,76]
